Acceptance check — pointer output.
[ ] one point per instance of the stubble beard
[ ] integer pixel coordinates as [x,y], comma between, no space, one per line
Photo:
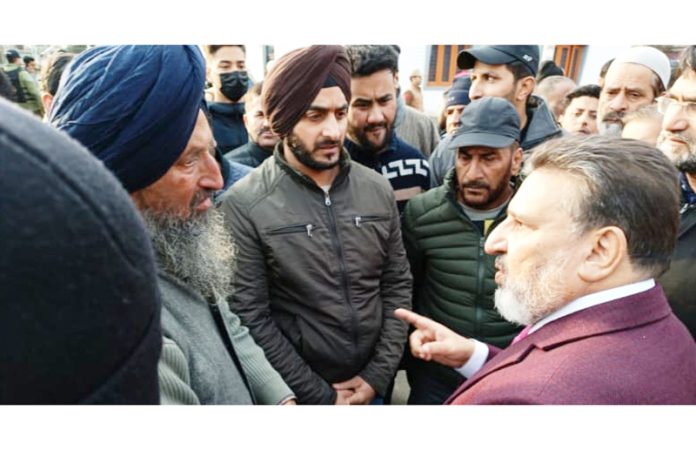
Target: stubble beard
[685,161]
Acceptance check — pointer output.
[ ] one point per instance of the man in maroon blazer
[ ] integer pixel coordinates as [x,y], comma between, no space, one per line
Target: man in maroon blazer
[589,230]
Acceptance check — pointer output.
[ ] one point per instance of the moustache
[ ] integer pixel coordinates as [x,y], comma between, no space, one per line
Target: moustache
[681,136]
[265,130]
[201,196]
[475,185]
[327,143]
[374,126]
[614,116]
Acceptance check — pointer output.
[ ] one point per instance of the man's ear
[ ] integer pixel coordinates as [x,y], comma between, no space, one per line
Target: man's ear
[608,248]
[47,101]
[517,158]
[525,87]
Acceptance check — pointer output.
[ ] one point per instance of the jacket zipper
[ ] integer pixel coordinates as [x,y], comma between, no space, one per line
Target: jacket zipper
[344,273]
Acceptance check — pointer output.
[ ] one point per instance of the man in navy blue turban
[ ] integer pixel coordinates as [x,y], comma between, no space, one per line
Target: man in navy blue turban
[140,110]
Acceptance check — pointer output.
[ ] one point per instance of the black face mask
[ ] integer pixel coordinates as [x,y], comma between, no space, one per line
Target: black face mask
[234,84]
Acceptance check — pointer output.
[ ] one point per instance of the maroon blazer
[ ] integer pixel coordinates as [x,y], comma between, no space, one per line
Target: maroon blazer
[626,352]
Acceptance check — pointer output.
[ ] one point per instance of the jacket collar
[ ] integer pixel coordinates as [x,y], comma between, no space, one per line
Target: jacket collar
[540,124]
[628,312]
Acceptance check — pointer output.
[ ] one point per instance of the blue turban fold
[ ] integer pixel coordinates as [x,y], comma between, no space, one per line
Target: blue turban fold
[134,107]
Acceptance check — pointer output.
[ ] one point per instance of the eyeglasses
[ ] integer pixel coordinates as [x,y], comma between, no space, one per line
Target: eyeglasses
[664,104]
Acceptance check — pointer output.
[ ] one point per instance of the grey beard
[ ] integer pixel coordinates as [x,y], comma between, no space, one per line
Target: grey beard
[198,250]
[611,129]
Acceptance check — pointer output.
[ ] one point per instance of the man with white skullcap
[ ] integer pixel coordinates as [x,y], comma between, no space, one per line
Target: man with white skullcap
[636,78]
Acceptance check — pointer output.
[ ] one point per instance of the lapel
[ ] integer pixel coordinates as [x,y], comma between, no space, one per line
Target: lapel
[621,314]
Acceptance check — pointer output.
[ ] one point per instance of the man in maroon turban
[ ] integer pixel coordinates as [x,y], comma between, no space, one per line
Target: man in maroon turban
[321,265]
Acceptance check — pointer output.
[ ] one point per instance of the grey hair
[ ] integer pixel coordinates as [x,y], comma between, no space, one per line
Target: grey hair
[623,183]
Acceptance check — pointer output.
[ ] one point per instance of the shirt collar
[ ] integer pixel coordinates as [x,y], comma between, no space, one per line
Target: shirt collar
[595,299]
[687,193]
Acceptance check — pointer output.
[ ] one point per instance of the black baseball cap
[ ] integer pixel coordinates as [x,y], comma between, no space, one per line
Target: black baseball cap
[488,122]
[12,54]
[500,54]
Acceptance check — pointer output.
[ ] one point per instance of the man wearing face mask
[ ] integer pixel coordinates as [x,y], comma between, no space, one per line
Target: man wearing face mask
[226,71]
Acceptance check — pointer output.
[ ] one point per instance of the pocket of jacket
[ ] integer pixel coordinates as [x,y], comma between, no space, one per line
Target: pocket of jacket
[359,221]
[307,228]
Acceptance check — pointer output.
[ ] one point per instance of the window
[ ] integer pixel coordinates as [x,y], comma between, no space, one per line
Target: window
[569,58]
[442,64]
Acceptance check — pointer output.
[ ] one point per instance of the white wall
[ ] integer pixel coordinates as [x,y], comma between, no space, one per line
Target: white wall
[595,57]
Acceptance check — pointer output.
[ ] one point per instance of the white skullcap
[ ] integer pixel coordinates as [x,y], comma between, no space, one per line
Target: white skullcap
[649,57]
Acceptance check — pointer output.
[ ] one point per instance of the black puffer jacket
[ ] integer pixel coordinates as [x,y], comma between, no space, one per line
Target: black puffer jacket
[319,275]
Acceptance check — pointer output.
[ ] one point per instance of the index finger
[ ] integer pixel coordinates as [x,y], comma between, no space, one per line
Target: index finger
[418,321]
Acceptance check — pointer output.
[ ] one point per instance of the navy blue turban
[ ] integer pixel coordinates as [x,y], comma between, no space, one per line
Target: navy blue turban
[458,94]
[134,107]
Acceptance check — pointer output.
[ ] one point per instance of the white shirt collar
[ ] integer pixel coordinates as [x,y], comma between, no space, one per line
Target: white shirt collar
[594,299]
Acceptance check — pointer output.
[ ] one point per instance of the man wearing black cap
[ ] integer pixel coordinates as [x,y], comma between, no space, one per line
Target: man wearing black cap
[26,89]
[456,99]
[454,282]
[320,261]
[164,156]
[508,71]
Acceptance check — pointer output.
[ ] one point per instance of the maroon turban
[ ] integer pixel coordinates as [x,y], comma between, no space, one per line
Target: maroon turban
[296,79]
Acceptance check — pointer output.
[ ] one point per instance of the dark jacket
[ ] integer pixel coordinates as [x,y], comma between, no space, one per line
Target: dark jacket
[249,154]
[679,282]
[228,125]
[319,275]
[631,351]
[405,167]
[541,126]
[453,279]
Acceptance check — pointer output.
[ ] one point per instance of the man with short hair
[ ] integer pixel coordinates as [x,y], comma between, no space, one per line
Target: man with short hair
[413,96]
[553,90]
[320,261]
[444,231]
[678,141]
[262,140]
[226,72]
[508,71]
[371,139]
[51,72]
[26,90]
[577,259]
[165,159]
[579,114]
[30,66]
[635,78]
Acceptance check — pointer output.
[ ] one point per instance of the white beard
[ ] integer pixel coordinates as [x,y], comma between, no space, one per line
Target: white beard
[198,250]
[535,295]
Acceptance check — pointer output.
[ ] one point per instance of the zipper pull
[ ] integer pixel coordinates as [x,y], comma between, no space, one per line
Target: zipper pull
[327,200]
[309,229]
[357,221]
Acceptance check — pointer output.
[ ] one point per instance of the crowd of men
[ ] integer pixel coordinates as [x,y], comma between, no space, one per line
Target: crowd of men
[176,233]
